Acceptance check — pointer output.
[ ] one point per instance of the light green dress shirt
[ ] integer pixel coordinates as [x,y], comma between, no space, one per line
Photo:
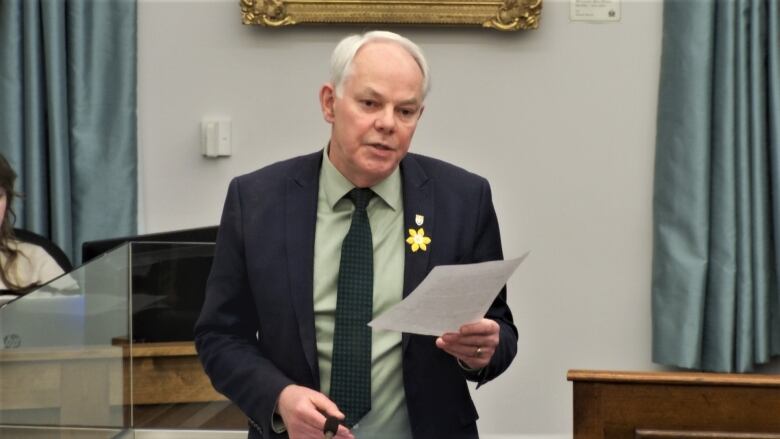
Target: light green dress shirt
[388,417]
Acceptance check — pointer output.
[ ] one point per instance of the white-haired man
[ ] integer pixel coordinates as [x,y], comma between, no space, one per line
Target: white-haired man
[279,333]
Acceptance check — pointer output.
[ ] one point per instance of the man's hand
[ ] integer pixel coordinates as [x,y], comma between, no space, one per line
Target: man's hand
[474,344]
[303,411]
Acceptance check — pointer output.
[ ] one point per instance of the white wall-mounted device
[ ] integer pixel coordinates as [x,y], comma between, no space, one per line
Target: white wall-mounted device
[215,137]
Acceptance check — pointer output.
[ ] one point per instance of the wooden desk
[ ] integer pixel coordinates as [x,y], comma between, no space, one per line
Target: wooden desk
[654,405]
[170,390]
[77,385]
[91,386]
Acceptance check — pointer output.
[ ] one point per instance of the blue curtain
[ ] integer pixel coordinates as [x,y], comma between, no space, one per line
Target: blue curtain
[716,303]
[67,116]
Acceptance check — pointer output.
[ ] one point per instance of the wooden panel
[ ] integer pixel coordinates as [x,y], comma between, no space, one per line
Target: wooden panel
[39,377]
[621,404]
[26,385]
[89,385]
[699,407]
[171,379]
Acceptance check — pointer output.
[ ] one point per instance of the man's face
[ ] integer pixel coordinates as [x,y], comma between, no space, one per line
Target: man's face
[374,119]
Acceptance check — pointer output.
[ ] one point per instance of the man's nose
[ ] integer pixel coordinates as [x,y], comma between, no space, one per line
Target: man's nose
[385,120]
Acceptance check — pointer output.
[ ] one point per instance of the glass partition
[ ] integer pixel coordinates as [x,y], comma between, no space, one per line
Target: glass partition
[108,347]
[60,363]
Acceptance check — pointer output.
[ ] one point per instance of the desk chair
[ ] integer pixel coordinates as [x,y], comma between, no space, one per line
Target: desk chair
[51,248]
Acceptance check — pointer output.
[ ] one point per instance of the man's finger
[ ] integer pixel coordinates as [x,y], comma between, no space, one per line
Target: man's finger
[326,406]
[344,433]
[470,352]
[484,326]
[468,341]
[474,340]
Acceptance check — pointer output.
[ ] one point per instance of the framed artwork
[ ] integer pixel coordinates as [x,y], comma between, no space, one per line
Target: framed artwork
[504,15]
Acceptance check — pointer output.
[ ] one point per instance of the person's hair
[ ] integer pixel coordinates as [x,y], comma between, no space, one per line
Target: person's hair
[344,53]
[7,180]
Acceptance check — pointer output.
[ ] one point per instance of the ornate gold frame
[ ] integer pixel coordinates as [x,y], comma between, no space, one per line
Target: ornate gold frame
[506,15]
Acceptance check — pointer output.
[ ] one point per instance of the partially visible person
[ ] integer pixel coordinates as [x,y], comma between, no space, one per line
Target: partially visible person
[23,265]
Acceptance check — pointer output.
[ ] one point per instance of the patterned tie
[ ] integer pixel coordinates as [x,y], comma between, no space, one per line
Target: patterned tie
[351,374]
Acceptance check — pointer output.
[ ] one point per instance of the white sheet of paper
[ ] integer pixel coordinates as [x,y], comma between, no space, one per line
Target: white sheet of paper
[449,297]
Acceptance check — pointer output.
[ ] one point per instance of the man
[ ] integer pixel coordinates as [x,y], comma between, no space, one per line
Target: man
[271,318]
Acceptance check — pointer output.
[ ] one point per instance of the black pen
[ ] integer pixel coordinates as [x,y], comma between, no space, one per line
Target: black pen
[331,427]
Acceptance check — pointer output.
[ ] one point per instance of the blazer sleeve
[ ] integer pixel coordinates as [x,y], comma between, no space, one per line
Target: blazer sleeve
[487,247]
[227,329]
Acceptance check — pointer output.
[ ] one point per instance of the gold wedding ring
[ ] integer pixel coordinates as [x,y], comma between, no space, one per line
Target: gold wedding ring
[478,353]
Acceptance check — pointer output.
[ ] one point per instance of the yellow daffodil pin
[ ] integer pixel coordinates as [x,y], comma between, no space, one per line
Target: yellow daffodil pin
[418,240]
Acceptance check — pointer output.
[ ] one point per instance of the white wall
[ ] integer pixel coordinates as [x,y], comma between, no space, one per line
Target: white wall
[561,120]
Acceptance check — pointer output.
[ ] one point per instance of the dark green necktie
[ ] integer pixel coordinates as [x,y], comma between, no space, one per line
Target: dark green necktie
[351,373]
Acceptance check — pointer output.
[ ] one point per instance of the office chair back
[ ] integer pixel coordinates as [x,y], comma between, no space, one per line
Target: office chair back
[51,248]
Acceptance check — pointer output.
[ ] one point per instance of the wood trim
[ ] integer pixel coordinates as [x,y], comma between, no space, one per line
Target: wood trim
[678,434]
[139,350]
[167,349]
[681,378]
[60,353]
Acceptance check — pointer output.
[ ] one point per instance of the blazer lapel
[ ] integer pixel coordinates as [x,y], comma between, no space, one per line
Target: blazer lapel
[418,200]
[301,218]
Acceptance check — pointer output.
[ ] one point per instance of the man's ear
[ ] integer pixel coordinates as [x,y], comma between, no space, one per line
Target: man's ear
[327,100]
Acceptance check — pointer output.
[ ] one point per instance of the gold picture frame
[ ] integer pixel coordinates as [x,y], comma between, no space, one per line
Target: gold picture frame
[505,15]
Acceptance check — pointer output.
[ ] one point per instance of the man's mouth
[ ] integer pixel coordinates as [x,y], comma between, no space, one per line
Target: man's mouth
[380,146]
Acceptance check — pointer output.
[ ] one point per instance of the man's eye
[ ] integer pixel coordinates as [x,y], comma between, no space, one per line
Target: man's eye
[368,104]
[405,112]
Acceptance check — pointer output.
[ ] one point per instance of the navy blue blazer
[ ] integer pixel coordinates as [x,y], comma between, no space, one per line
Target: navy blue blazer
[256,335]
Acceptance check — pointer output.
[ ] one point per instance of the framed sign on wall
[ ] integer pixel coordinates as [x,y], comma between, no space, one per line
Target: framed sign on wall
[505,15]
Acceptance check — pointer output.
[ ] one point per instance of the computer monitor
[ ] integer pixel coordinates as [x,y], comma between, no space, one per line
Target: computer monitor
[168,289]
[93,249]
[168,281]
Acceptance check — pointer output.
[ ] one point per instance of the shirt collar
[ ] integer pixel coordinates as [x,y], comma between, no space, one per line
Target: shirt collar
[336,186]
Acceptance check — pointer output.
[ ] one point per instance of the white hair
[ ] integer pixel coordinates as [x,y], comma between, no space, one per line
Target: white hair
[344,53]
